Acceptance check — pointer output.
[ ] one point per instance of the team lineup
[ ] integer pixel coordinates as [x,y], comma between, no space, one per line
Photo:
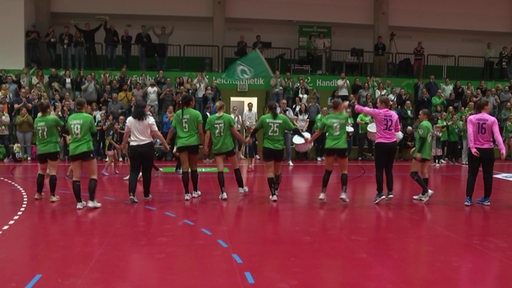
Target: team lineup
[220,134]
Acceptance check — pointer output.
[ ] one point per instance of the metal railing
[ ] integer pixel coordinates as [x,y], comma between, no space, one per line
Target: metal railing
[210,54]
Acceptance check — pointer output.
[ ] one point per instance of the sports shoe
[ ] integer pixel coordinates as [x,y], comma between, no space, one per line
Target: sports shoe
[54,198]
[104,173]
[38,196]
[188,196]
[318,158]
[93,204]
[390,195]
[484,201]
[379,197]
[344,197]
[178,171]
[140,176]
[427,196]
[81,205]
[133,200]
[223,196]
[116,172]
[418,197]
[196,194]
[273,198]
[243,190]
[127,177]
[277,192]
[290,163]
[468,202]
[257,157]
[147,198]
[322,196]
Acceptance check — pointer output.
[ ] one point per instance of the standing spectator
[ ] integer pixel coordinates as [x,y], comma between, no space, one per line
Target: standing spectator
[111,41]
[432,86]
[66,43]
[419,59]
[78,82]
[283,109]
[152,92]
[446,88]
[482,131]
[453,139]
[90,43]
[343,87]
[5,121]
[379,58]
[24,129]
[143,40]
[167,96]
[51,45]
[32,38]
[140,130]
[241,47]
[258,44]
[504,62]
[200,84]
[81,127]
[161,47]
[126,47]
[313,111]
[320,141]
[363,121]
[323,50]
[238,124]
[277,83]
[79,44]
[406,115]
[250,118]
[488,63]
[166,127]
[438,100]
[90,89]
[217,94]
[115,108]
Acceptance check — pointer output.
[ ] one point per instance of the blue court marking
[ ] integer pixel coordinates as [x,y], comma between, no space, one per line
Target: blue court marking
[34,281]
[206,231]
[188,222]
[109,198]
[169,214]
[249,277]
[151,208]
[237,259]
[222,243]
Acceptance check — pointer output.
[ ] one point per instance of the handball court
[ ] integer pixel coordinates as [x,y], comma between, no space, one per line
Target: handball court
[247,241]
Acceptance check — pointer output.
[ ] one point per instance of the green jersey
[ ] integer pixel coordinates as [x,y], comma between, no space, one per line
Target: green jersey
[81,126]
[318,120]
[186,122]
[366,119]
[220,131]
[507,131]
[424,135]
[336,127]
[444,130]
[47,134]
[273,130]
[453,132]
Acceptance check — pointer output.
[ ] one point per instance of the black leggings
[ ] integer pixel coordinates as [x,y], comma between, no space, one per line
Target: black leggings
[451,151]
[141,157]
[384,159]
[486,159]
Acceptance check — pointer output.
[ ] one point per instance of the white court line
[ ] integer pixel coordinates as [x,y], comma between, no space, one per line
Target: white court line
[23,205]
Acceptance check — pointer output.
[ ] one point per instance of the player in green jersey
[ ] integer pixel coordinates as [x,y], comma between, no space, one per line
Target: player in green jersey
[220,128]
[422,154]
[274,126]
[335,124]
[47,140]
[81,126]
[188,126]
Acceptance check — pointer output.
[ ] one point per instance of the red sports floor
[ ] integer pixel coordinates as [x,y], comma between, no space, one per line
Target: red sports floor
[248,241]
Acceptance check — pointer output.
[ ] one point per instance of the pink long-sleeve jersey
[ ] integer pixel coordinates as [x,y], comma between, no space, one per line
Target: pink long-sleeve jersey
[386,122]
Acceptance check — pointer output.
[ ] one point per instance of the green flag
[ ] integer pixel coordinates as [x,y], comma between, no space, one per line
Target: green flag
[252,65]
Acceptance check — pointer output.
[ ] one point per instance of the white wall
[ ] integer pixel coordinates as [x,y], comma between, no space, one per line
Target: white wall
[13,34]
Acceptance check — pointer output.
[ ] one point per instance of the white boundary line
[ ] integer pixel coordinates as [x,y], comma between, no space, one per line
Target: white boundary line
[22,208]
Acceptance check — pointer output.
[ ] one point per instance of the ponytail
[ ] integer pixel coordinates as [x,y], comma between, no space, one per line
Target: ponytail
[272,109]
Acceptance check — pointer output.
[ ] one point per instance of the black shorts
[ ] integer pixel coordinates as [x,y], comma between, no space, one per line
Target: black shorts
[45,157]
[344,98]
[270,155]
[340,153]
[228,154]
[194,149]
[84,156]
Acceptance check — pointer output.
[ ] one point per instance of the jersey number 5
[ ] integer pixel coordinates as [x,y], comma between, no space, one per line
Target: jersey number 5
[185,125]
